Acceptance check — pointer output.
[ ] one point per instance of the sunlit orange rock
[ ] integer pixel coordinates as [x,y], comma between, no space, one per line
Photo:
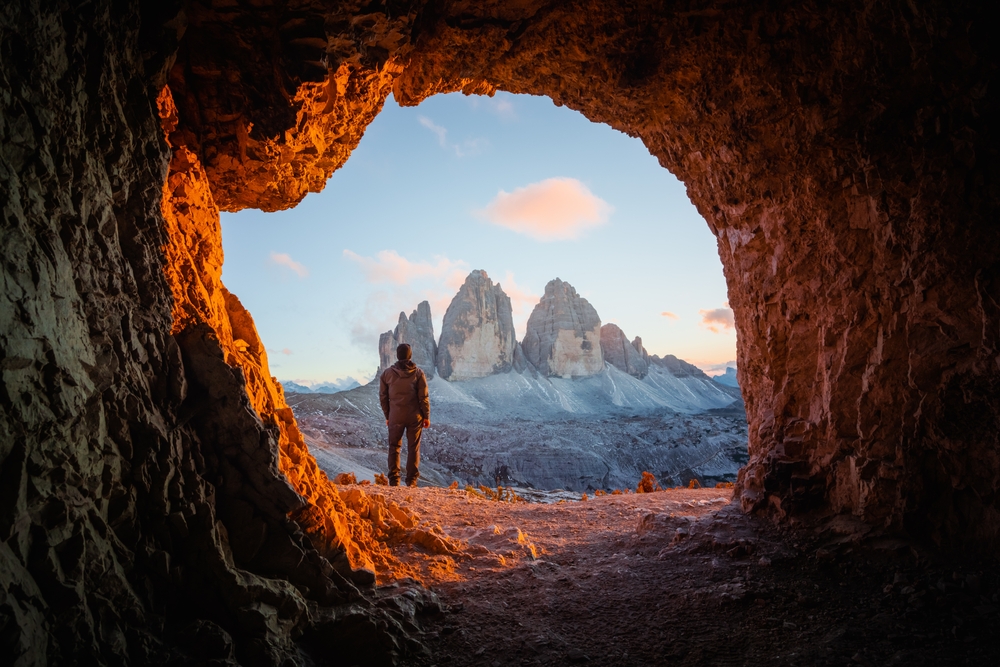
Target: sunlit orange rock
[852,217]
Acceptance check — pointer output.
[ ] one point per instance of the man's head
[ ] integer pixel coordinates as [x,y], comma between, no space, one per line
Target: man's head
[403,352]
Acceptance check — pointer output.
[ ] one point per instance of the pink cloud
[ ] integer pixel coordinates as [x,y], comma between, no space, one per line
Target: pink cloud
[286,351]
[285,260]
[717,319]
[388,266]
[555,209]
[670,316]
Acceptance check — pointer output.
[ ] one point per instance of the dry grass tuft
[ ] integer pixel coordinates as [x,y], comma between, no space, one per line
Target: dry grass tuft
[381,480]
[345,478]
[502,494]
[648,484]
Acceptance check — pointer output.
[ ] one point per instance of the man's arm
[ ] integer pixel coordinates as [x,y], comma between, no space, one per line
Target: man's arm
[383,396]
[423,398]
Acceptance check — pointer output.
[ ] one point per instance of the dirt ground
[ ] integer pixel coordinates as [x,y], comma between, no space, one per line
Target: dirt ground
[682,577]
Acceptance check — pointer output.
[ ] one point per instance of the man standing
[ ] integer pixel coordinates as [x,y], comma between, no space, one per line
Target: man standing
[402,390]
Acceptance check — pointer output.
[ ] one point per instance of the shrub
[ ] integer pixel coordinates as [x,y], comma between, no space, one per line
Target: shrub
[381,480]
[584,497]
[599,492]
[724,485]
[345,478]
[454,485]
[694,483]
[648,484]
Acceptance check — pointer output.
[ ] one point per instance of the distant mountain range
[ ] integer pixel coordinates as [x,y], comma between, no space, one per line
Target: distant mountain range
[564,339]
[728,378]
[574,405]
[338,385]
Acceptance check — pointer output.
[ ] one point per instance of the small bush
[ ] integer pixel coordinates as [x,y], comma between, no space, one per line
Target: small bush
[381,480]
[648,484]
[724,485]
[599,492]
[694,483]
[616,492]
[454,485]
[345,478]
[365,482]
[584,497]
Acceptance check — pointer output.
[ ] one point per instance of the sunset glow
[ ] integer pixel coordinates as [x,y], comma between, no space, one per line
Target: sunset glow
[513,185]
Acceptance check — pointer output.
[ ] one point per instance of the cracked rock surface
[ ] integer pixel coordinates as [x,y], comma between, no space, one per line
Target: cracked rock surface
[156,496]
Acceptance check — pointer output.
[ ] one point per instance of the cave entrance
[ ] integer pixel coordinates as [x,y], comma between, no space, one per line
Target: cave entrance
[527,191]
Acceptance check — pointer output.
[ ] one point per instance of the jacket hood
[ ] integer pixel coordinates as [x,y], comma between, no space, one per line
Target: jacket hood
[405,367]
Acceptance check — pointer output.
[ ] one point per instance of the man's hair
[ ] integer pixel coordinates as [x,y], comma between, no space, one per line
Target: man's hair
[403,352]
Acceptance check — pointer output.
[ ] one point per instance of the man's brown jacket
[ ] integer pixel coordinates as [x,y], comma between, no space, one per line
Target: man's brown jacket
[402,390]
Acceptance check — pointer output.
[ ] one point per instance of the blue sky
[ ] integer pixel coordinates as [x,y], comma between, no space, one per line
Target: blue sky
[513,185]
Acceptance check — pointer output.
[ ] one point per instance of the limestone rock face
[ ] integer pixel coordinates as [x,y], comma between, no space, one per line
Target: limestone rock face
[563,337]
[620,353]
[477,334]
[418,331]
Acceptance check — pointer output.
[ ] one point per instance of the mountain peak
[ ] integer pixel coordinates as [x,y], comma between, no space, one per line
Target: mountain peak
[477,335]
[563,337]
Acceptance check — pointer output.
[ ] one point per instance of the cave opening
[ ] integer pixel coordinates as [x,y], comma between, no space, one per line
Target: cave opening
[526,191]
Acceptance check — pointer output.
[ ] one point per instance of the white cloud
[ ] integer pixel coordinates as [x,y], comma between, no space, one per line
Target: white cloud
[501,105]
[550,210]
[466,148]
[412,281]
[388,266]
[285,260]
[717,320]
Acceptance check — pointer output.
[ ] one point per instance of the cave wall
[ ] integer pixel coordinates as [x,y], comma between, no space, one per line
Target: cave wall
[157,503]
[154,491]
[843,157]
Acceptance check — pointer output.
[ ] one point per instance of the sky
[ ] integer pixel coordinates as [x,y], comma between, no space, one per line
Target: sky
[512,185]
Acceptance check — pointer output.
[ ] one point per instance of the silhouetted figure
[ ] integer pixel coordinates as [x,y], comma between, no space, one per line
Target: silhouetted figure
[402,391]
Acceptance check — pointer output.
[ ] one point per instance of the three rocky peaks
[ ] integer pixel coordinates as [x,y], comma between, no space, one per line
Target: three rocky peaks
[564,337]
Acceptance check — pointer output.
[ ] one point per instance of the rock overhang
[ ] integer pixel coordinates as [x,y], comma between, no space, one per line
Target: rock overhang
[788,147]
[844,156]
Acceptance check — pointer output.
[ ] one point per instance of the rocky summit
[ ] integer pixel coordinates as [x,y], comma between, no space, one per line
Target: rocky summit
[418,331]
[623,355]
[563,338]
[477,335]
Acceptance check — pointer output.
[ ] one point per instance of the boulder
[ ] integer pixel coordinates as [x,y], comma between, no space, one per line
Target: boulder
[477,335]
[622,354]
[563,337]
[418,331]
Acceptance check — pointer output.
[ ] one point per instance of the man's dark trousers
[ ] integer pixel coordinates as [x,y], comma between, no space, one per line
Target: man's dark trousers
[413,432]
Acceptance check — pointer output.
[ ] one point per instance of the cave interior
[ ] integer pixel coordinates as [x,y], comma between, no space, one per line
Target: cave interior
[154,487]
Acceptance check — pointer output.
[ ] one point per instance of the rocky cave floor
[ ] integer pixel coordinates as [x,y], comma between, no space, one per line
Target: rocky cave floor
[683,577]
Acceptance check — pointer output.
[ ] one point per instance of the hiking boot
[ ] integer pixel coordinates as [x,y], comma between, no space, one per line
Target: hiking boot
[412,483]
